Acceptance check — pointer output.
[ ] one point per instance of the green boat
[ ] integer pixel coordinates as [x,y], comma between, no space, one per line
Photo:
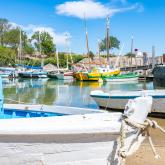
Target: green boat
[121,77]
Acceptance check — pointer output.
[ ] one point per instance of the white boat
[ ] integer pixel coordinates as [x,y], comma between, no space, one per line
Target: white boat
[118,99]
[6,72]
[61,74]
[5,75]
[65,76]
[98,138]
[73,139]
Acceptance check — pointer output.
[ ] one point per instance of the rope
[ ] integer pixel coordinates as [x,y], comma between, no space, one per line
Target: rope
[144,129]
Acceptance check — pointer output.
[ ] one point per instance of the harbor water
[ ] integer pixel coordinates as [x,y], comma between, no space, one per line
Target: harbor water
[65,93]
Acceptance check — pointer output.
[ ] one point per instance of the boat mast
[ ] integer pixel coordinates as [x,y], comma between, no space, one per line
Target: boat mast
[20,46]
[132,45]
[40,51]
[107,39]
[98,42]
[66,42]
[86,37]
[57,61]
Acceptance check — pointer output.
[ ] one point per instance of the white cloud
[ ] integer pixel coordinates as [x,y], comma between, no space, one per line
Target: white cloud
[58,38]
[92,9]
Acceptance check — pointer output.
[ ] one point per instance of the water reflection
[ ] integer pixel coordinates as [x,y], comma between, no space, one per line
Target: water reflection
[159,83]
[54,92]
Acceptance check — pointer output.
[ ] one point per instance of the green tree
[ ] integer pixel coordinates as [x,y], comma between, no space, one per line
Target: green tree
[44,40]
[12,38]
[4,27]
[28,48]
[91,55]
[7,56]
[114,43]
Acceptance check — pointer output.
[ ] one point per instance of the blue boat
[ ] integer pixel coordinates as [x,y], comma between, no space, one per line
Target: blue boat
[31,72]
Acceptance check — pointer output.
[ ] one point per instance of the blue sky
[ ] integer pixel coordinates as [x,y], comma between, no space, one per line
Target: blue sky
[144,19]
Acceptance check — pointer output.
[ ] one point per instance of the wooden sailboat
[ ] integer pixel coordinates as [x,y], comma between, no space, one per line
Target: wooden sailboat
[60,73]
[66,74]
[96,73]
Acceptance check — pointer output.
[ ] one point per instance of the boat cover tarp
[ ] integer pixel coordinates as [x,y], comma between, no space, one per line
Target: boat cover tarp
[29,67]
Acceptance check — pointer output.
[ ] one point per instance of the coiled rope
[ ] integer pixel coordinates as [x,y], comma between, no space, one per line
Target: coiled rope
[144,128]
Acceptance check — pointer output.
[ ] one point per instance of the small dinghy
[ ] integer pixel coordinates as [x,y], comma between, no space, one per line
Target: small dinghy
[118,99]
[98,138]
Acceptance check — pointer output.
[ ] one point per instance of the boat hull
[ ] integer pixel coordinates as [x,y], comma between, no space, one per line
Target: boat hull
[4,75]
[52,76]
[93,76]
[62,76]
[59,150]
[67,140]
[118,102]
[159,72]
[32,75]
[122,79]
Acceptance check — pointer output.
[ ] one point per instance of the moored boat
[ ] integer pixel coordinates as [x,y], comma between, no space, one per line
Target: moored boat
[121,78]
[71,139]
[118,99]
[95,74]
[159,72]
[33,74]
[6,72]
[65,76]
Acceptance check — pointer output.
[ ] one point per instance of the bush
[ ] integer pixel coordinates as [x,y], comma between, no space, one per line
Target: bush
[7,56]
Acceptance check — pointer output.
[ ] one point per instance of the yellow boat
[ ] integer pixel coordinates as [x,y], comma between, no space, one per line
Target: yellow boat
[95,74]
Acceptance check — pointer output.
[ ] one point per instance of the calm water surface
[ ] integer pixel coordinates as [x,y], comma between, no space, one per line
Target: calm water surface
[55,92]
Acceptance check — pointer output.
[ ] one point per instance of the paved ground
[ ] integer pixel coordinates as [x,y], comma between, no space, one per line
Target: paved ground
[144,156]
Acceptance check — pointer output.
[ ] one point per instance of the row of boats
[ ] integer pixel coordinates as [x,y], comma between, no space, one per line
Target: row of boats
[94,74]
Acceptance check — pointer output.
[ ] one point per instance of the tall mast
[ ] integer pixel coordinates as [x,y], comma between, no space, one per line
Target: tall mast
[20,46]
[66,42]
[57,60]
[132,45]
[98,42]
[107,39]
[86,36]
[40,51]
